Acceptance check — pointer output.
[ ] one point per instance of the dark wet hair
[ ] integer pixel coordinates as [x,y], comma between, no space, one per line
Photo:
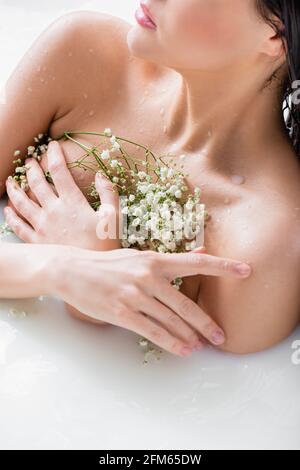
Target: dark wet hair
[288,27]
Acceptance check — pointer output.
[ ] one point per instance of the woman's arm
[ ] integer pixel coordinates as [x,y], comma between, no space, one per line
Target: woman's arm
[44,85]
[27,270]
[127,288]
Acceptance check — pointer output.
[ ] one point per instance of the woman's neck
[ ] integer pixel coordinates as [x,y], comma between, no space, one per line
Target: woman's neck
[226,117]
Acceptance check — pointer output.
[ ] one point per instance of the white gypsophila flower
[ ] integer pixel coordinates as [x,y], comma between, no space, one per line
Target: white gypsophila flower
[143,188]
[20,169]
[107,132]
[131,197]
[114,163]
[138,211]
[170,173]
[189,205]
[142,175]
[132,239]
[105,155]
[17,153]
[136,222]
[30,150]
[173,189]
[116,146]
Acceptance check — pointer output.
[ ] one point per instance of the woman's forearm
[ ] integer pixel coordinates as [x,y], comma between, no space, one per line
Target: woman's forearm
[27,270]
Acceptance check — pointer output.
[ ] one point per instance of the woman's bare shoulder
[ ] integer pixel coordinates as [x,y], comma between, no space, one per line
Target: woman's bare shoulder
[101,31]
[88,48]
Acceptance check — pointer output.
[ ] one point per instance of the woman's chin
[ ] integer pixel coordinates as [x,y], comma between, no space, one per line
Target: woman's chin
[138,43]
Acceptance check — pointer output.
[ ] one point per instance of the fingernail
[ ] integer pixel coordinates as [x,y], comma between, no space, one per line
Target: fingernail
[243,268]
[186,351]
[218,337]
[52,144]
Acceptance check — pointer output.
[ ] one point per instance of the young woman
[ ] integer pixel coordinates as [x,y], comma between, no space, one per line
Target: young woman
[203,78]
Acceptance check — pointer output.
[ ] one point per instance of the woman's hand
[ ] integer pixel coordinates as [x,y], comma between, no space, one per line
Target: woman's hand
[132,289]
[62,214]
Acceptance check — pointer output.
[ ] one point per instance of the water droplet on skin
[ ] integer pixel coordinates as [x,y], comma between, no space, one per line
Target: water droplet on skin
[266,286]
[65,231]
[146,92]
[119,92]
[38,68]
[203,153]
[29,89]
[85,96]
[42,80]
[70,54]
[165,129]
[91,113]
[44,69]
[237,179]
[227,201]
[53,78]
[297,209]
[91,50]
[74,216]
[162,112]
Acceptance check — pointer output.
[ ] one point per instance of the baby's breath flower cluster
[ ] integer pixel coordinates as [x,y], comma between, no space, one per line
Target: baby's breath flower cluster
[161,215]
[158,210]
[34,151]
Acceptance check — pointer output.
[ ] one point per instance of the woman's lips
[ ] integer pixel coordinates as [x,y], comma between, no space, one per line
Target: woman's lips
[141,15]
[147,12]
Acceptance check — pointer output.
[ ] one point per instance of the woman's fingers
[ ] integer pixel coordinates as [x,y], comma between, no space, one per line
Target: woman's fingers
[20,228]
[107,191]
[60,173]
[27,208]
[190,312]
[144,326]
[108,213]
[171,321]
[189,264]
[38,183]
